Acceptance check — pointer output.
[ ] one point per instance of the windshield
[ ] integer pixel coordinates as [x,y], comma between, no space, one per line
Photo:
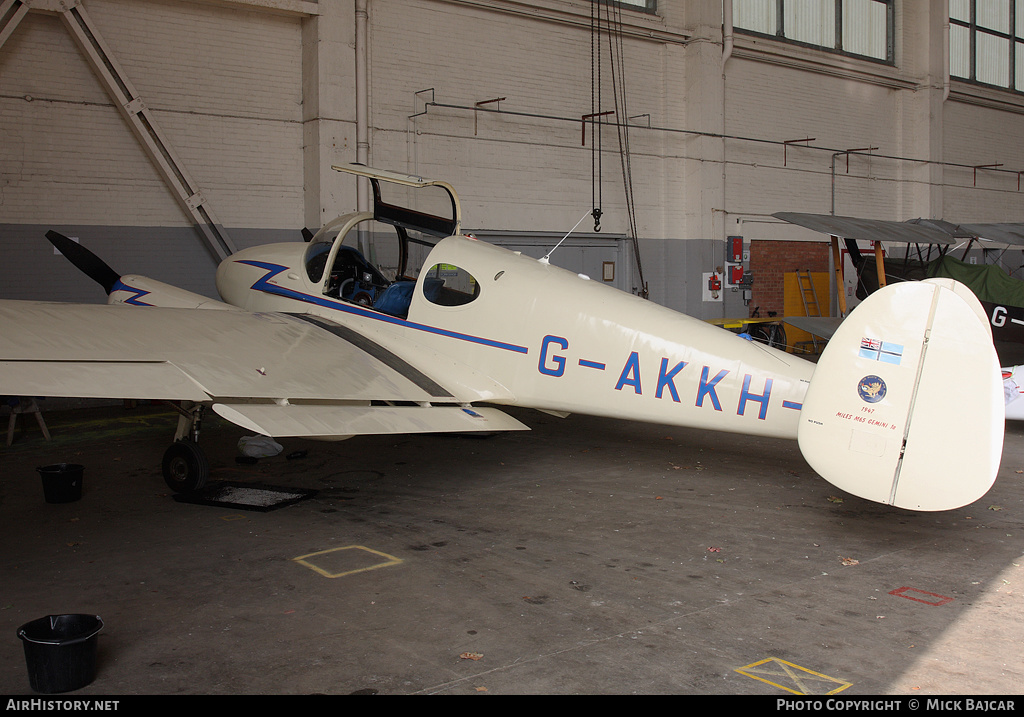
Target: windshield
[369,259]
[316,258]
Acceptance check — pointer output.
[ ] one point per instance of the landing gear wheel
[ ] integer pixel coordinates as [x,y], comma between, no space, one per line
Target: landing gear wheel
[185,467]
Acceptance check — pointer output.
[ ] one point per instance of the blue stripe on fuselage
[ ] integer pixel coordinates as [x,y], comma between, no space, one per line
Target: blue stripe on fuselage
[264,285]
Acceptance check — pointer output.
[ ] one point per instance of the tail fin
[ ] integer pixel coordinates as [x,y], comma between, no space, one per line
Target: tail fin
[906,404]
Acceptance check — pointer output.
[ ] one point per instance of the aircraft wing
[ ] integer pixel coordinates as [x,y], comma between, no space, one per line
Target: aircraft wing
[920,231]
[256,369]
[869,229]
[1001,232]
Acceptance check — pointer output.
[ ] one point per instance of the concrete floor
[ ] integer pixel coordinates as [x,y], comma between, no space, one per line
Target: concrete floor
[585,556]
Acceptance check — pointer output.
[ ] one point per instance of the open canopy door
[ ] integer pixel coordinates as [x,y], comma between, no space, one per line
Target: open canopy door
[408,217]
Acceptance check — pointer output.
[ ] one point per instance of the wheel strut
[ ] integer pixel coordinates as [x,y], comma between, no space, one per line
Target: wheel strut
[185,467]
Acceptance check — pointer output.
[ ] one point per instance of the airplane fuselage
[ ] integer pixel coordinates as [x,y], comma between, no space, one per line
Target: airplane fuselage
[550,340]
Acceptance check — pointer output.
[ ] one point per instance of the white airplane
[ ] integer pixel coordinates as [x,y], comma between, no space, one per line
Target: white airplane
[904,407]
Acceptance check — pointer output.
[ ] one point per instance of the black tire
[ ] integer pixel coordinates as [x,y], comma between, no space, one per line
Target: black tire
[185,467]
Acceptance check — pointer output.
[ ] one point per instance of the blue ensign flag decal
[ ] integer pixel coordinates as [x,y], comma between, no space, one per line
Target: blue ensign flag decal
[878,350]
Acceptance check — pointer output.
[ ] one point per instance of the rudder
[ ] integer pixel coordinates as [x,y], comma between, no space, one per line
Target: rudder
[905,406]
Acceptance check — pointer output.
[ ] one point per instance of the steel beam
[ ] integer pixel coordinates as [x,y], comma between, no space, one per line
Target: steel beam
[11,13]
[145,127]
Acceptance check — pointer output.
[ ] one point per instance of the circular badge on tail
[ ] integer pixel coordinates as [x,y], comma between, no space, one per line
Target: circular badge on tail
[871,389]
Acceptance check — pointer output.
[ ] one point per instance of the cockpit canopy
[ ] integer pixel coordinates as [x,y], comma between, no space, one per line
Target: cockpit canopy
[375,258]
[433,210]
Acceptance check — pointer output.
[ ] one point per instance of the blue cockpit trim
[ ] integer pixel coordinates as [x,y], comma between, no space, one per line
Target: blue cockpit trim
[263,284]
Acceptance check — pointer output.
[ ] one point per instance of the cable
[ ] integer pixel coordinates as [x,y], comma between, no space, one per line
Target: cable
[616,58]
[596,146]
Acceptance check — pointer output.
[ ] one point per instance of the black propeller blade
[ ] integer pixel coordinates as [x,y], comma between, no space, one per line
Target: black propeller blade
[87,262]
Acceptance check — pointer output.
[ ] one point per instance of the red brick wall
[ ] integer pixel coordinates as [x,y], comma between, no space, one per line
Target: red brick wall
[771,260]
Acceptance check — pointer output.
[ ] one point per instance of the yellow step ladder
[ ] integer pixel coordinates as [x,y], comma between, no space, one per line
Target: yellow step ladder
[810,298]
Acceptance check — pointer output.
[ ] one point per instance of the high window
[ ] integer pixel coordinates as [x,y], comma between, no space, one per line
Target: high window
[650,6]
[986,42]
[854,27]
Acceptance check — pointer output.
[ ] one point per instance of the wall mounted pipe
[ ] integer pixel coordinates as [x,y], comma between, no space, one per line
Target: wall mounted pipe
[362,102]
[727,31]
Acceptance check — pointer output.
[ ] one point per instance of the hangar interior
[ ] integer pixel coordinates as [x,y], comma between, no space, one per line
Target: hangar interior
[167,134]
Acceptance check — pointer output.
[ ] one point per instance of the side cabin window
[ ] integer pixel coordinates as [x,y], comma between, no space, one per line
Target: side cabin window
[450,285]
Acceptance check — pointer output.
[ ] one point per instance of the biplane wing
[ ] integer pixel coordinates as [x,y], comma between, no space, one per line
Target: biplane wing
[871,229]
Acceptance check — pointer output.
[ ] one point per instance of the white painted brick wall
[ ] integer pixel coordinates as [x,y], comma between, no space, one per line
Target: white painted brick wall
[226,84]
[525,173]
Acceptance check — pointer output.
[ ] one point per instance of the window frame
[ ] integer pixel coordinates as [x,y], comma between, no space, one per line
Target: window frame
[449,297]
[650,7]
[779,34]
[1015,42]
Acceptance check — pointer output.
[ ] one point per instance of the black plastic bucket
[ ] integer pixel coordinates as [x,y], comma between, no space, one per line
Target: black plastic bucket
[60,651]
[62,483]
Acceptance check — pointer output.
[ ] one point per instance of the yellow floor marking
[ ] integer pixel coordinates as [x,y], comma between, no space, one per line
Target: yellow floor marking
[305,560]
[803,680]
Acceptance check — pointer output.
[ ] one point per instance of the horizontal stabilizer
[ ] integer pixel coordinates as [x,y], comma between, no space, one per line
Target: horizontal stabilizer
[905,406]
[823,326]
[337,421]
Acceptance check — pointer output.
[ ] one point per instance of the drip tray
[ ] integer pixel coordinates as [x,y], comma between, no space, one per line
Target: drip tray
[245,496]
